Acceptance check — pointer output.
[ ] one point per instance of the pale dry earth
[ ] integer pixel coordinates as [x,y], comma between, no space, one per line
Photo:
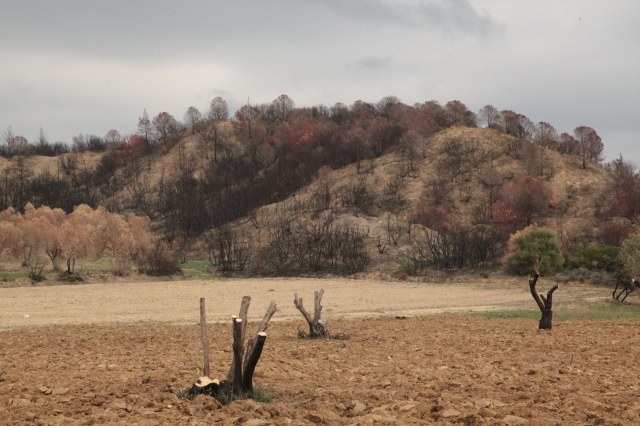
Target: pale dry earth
[178,301]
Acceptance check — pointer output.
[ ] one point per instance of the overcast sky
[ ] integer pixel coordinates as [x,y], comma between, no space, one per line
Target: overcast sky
[75,66]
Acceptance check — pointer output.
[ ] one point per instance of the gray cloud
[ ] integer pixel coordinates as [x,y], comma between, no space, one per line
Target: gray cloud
[374,62]
[450,16]
[78,66]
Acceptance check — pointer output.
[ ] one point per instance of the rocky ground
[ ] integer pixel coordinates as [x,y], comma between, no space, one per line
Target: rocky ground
[440,369]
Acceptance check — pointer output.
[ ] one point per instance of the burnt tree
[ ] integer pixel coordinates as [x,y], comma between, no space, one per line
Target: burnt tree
[544,303]
[627,288]
[244,362]
[317,327]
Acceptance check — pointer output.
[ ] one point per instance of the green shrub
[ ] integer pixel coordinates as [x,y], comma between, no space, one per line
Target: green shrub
[531,245]
[629,257]
[70,278]
[604,258]
[35,270]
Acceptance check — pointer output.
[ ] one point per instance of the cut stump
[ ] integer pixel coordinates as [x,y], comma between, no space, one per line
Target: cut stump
[317,326]
[239,381]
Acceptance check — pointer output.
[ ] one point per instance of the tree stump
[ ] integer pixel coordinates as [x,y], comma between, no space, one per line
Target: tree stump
[544,303]
[239,381]
[317,327]
[240,378]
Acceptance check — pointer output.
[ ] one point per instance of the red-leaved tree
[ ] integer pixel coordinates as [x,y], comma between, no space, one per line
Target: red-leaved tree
[520,202]
[589,144]
[626,183]
[489,115]
[430,216]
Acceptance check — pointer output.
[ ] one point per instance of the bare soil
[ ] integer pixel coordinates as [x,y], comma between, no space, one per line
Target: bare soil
[177,301]
[434,369]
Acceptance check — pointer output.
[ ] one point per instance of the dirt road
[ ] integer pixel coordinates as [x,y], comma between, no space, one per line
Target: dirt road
[177,301]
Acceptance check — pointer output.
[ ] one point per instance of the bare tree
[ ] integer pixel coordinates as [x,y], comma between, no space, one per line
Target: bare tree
[192,117]
[359,145]
[283,106]
[145,128]
[113,139]
[218,109]
[164,124]
[6,138]
[568,144]
[489,115]
[410,145]
[18,145]
[589,143]
[340,113]
[544,303]
[317,327]
[214,135]
[385,104]
[546,136]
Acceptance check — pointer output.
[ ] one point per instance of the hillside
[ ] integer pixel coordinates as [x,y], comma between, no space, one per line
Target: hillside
[273,189]
[579,192]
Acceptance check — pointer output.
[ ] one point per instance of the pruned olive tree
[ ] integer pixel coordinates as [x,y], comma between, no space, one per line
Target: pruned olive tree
[317,327]
[239,382]
[544,303]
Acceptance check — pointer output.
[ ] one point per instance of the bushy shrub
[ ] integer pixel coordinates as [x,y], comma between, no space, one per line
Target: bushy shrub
[533,245]
[598,258]
[629,257]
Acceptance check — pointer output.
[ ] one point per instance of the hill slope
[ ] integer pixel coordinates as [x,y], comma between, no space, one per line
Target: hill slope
[454,179]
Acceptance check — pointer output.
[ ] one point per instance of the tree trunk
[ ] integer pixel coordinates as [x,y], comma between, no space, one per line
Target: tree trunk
[628,288]
[261,329]
[205,341]
[242,315]
[251,361]
[239,383]
[545,304]
[54,259]
[238,349]
[317,326]
[241,373]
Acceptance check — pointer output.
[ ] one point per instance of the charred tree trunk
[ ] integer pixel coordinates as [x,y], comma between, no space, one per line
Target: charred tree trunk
[317,326]
[238,348]
[251,361]
[628,288]
[240,377]
[242,315]
[545,304]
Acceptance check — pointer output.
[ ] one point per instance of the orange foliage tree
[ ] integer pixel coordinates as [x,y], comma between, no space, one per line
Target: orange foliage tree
[84,233]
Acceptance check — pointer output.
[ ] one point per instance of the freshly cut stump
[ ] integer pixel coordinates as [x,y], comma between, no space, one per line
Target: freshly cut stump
[239,381]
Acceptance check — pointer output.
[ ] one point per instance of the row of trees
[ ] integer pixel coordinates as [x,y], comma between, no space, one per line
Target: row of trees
[83,234]
[585,141]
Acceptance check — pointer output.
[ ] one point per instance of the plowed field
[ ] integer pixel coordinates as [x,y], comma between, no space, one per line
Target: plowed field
[437,369]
